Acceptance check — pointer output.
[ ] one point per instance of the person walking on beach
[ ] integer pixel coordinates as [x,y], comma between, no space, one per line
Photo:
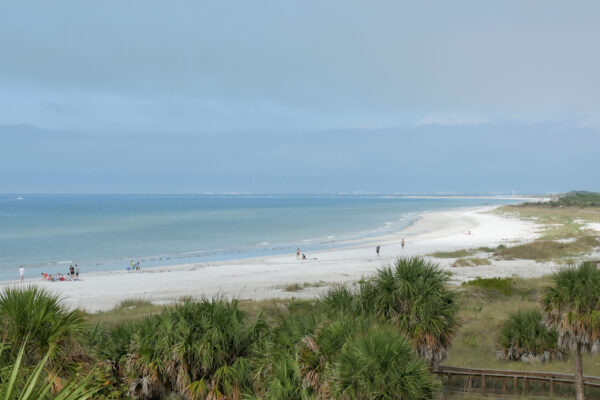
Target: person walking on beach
[72,271]
[402,243]
[22,273]
[377,250]
[298,253]
[76,271]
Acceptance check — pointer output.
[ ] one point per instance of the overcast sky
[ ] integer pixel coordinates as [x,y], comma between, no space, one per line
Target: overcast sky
[299,96]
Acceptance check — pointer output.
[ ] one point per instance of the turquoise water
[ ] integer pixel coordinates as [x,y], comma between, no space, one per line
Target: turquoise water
[46,233]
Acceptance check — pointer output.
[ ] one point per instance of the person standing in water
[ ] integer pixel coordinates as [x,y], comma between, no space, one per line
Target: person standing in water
[22,273]
[377,250]
[402,243]
[298,253]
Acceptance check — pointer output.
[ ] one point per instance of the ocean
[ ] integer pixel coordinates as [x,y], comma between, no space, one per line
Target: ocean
[47,233]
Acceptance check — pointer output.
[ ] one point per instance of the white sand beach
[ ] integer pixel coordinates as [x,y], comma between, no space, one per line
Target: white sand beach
[262,278]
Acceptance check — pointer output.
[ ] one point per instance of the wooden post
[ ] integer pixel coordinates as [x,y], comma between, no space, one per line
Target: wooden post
[483,384]
[551,387]
[516,386]
[525,386]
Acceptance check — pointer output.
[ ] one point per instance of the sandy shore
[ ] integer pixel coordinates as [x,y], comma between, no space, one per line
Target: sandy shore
[262,278]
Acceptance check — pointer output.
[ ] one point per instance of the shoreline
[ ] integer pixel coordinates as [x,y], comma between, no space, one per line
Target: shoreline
[264,277]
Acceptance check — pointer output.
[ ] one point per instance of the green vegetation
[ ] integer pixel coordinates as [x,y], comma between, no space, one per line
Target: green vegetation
[127,310]
[22,383]
[470,262]
[546,250]
[38,318]
[453,254]
[564,231]
[572,306]
[378,338]
[503,285]
[556,222]
[41,348]
[296,287]
[414,295]
[293,287]
[577,198]
[525,337]
[382,362]
[483,311]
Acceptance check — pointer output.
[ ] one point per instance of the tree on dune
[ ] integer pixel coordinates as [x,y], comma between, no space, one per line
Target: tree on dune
[572,306]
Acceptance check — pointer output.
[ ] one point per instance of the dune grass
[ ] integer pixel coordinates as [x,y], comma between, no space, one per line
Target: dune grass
[471,262]
[453,254]
[296,287]
[127,310]
[547,250]
[556,222]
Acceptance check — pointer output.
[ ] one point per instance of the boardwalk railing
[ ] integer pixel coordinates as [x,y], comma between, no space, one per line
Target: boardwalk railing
[510,382]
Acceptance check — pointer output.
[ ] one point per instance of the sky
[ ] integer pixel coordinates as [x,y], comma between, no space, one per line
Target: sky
[299,96]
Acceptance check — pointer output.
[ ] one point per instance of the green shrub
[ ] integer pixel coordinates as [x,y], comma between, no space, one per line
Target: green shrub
[524,337]
[340,298]
[414,295]
[196,349]
[381,364]
[41,318]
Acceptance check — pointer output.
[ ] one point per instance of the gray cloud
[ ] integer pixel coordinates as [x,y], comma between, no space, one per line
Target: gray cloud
[298,96]
[221,66]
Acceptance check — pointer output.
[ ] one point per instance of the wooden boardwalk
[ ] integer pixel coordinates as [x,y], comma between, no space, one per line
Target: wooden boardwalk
[508,382]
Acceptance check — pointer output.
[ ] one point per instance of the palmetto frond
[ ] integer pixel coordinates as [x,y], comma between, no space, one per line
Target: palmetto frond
[572,306]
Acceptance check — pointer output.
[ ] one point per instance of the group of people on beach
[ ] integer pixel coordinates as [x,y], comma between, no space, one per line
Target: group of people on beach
[300,255]
[71,275]
[134,266]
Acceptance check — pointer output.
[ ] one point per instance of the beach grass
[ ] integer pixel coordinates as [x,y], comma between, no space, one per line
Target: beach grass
[556,222]
[296,287]
[453,254]
[547,250]
[127,310]
[471,262]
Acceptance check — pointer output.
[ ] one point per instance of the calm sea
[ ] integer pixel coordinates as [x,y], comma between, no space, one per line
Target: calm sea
[46,233]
